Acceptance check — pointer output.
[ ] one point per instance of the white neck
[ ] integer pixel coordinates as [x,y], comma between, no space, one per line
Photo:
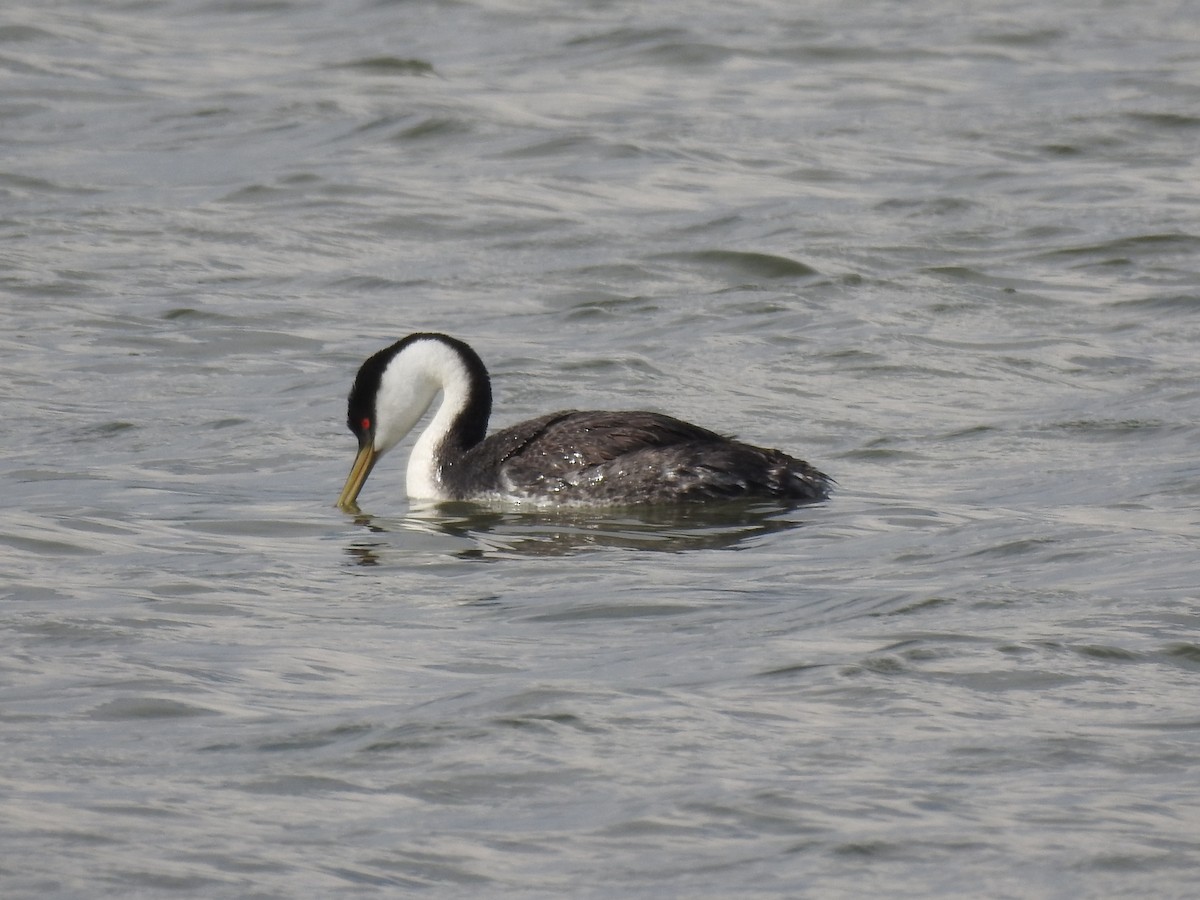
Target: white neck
[408,387]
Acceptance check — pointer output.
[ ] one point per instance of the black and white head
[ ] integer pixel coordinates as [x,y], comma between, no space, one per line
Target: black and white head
[392,391]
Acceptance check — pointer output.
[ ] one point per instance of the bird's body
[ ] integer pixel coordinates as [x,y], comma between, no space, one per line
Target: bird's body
[597,458]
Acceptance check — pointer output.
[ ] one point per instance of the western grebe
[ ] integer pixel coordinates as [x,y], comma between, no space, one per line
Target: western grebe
[565,458]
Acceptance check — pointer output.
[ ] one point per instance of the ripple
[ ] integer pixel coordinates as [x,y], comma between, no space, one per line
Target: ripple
[742,263]
[148,708]
[1124,249]
[13,34]
[390,65]
[1169,121]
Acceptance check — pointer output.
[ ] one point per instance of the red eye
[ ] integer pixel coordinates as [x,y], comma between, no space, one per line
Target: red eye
[366,424]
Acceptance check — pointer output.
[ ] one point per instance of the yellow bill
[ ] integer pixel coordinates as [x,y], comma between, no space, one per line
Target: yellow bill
[364,462]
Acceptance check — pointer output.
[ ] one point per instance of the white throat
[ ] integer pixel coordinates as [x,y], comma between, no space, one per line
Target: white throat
[407,389]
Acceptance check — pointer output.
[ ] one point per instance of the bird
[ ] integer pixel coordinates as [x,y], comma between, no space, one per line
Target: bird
[568,458]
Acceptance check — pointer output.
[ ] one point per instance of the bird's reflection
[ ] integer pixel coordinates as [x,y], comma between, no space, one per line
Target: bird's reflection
[471,531]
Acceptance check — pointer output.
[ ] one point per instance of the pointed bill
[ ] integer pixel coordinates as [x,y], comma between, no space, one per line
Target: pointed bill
[363,463]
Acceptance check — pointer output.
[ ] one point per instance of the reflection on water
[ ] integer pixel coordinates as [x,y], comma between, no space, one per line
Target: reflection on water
[491,533]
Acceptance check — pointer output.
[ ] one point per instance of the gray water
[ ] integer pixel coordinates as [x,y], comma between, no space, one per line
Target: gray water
[948,253]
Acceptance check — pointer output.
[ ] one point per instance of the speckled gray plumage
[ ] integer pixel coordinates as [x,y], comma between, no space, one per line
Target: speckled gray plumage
[605,457]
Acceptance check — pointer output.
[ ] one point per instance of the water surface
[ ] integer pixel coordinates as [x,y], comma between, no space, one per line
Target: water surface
[948,255]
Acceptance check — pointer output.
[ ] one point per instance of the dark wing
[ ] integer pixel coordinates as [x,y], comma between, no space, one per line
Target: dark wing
[570,440]
[607,456]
